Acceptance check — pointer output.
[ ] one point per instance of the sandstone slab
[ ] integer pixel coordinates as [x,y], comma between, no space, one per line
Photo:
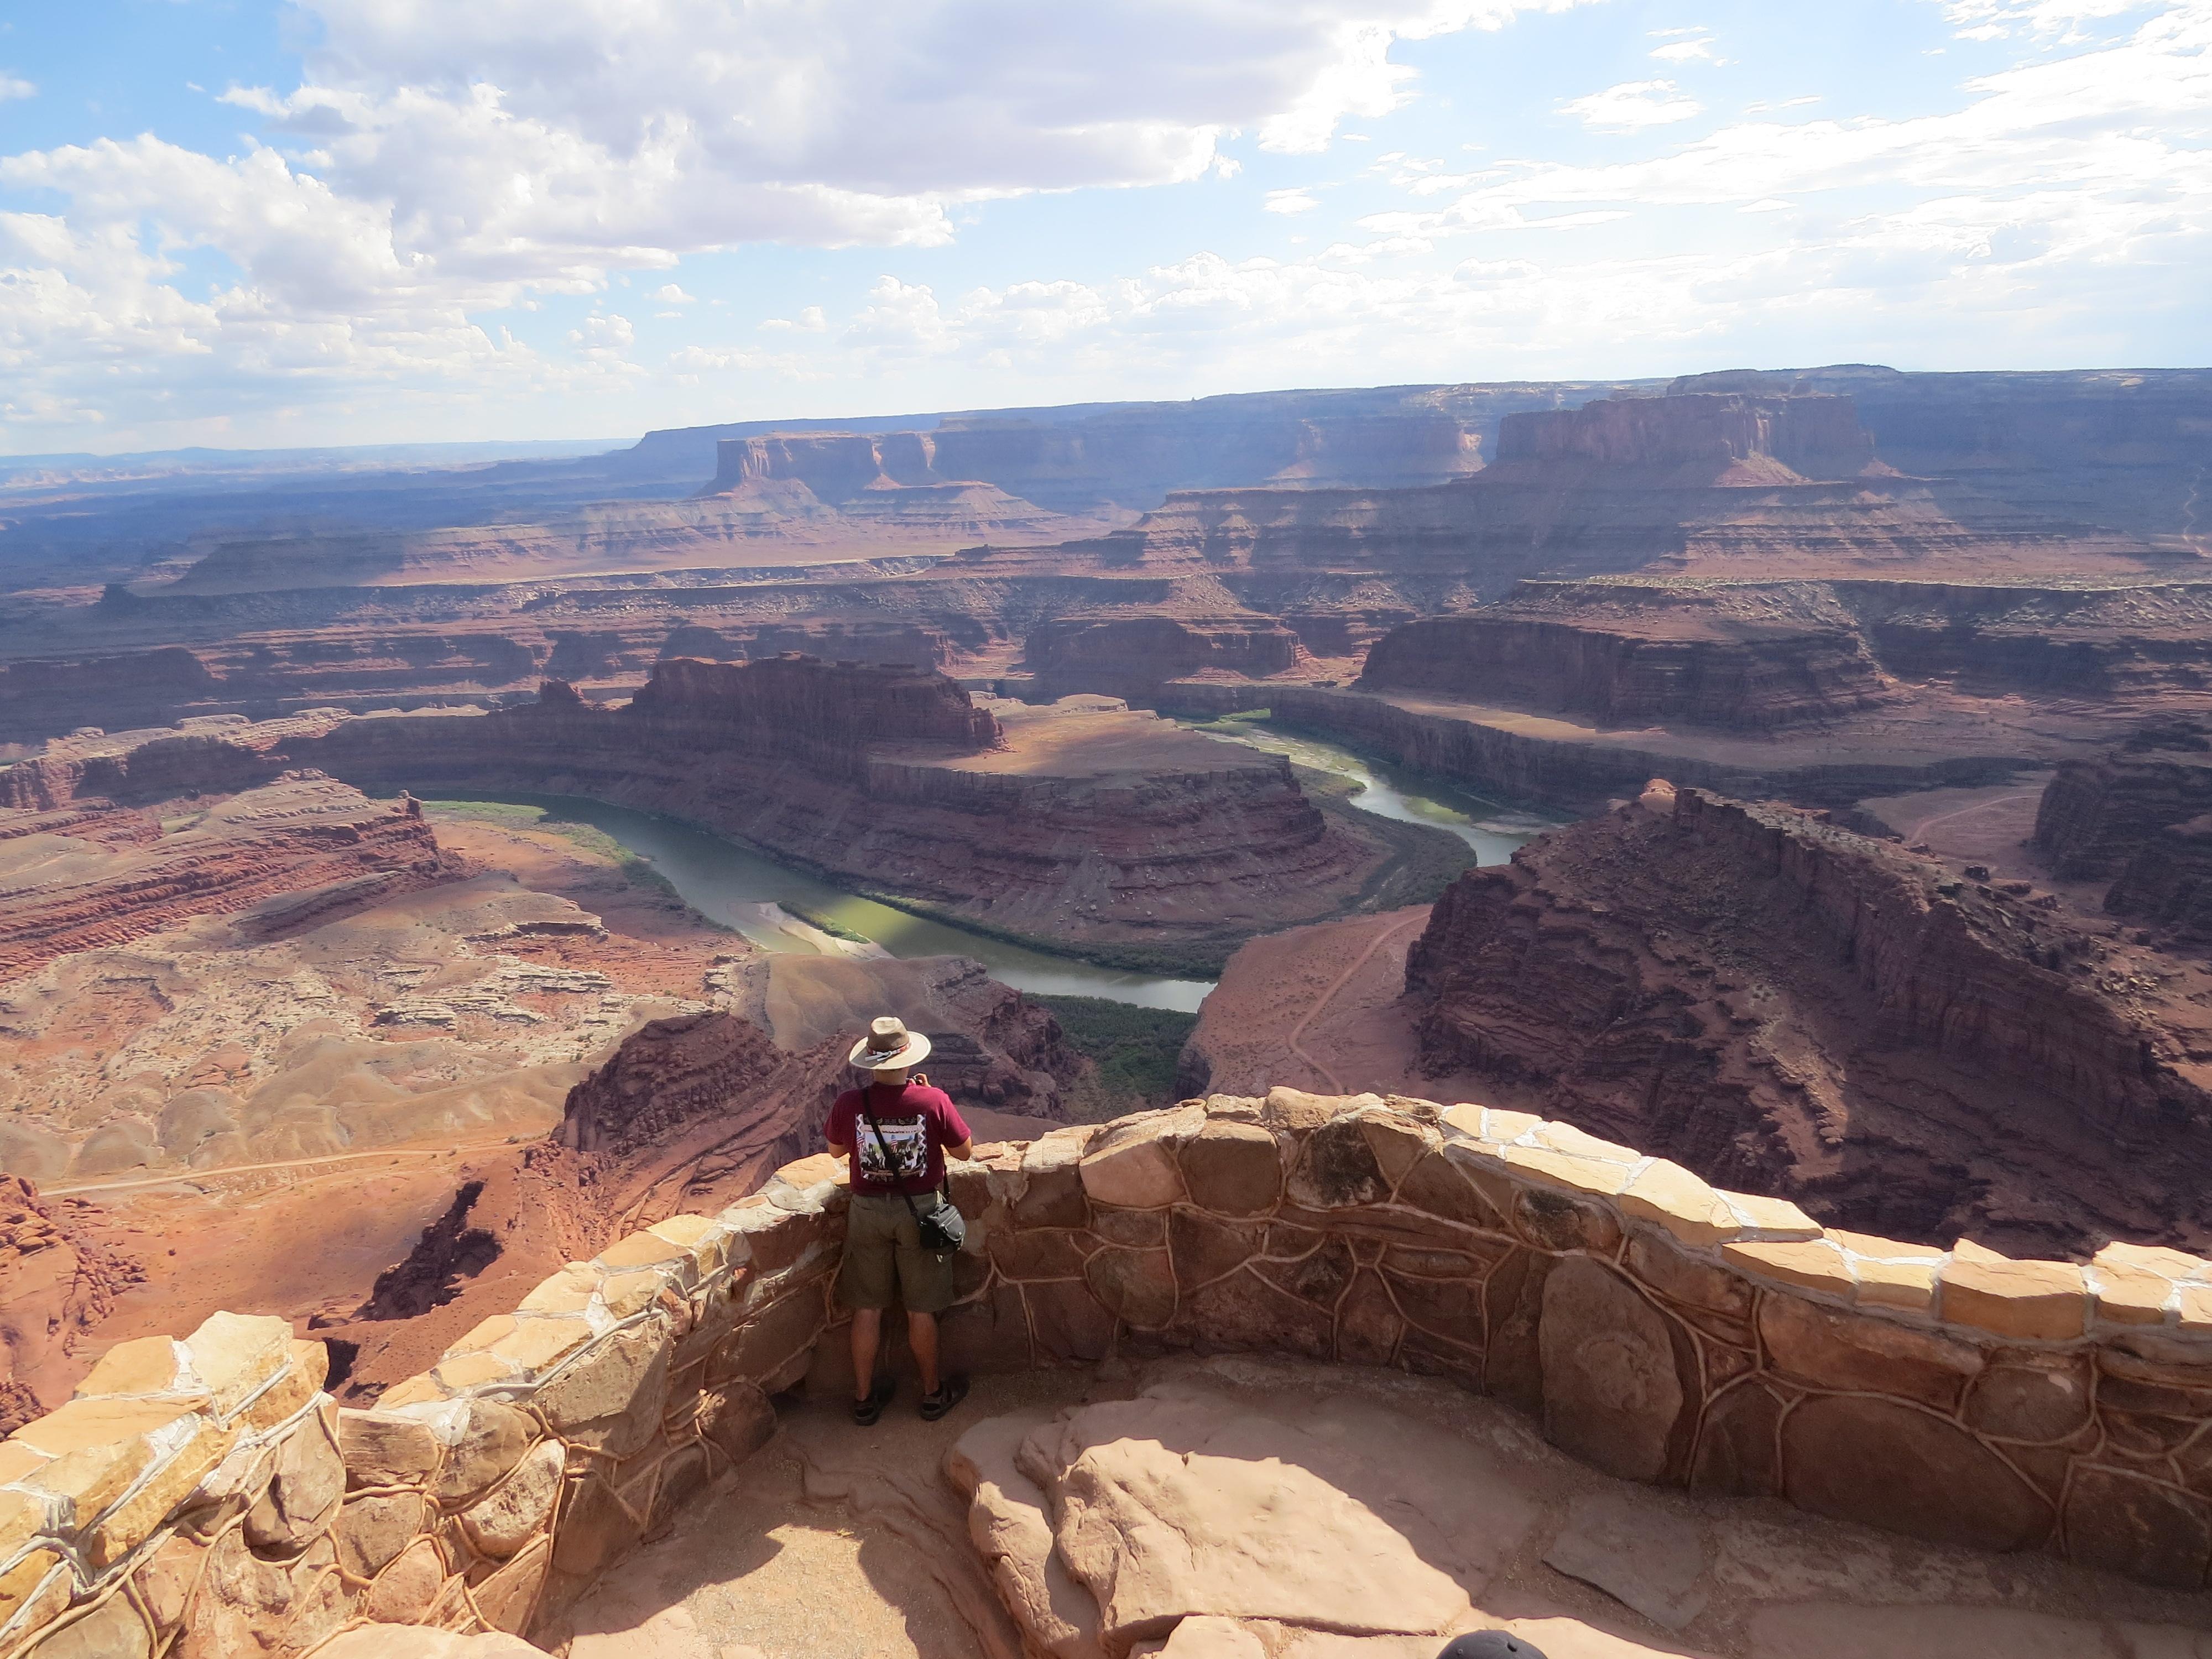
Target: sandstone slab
[510,1515]
[1169,1508]
[1889,1465]
[1134,1173]
[1613,1394]
[1646,1557]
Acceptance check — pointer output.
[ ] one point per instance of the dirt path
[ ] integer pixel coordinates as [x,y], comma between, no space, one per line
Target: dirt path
[1298,1030]
[1919,831]
[450,1149]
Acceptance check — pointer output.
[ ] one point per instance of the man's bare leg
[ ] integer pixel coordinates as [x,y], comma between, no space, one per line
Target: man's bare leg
[868,1334]
[922,1337]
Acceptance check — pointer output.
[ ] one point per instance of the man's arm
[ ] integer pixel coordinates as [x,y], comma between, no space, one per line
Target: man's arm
[951,1124]
[836,1151]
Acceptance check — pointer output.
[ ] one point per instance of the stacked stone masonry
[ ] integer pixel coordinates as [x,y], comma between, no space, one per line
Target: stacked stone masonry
[202,1497]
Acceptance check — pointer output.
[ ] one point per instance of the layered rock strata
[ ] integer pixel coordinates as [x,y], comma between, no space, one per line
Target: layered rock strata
[1689,485]
[1660,1330]
[1137,656]
[1104,828]
[1707,656]
[1564,760]
[1726,437]
[57,1280]
[294,853]
[1772,1000]
[2097,815]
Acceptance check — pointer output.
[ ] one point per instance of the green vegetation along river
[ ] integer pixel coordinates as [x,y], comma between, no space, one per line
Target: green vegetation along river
[780,909]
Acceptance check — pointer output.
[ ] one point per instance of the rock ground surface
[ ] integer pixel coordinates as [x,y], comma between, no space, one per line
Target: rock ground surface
[854,1545]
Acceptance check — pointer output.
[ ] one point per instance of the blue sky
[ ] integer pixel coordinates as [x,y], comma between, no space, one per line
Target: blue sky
[229,222]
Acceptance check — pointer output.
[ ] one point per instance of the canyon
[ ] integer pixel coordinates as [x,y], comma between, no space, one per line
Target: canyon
[1818,1121]
[1772,1000]
[1335,515]
[1109,830]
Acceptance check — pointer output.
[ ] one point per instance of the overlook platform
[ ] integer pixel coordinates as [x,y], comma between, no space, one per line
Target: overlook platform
[1290,1377]
[1400,1499]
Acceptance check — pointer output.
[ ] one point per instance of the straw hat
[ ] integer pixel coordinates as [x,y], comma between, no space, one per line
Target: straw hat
[889,1046]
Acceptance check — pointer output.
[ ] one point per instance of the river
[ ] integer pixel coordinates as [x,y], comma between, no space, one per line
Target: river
[1393,791]
[760,898]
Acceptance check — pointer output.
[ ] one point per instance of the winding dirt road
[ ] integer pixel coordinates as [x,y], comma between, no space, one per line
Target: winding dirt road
[1322,1001]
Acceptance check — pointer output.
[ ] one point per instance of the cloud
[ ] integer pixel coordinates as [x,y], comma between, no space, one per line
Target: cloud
[1684,52]
[2116,136]
[1633,104]
[435,162]
[1290,201]
[1989,19]
[14,86]
[670,294]
[809,321]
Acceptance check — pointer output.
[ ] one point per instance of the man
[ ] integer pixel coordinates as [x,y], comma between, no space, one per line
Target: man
[896,1136]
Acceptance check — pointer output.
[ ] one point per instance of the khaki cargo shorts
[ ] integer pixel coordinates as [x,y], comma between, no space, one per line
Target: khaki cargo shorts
[883,1252]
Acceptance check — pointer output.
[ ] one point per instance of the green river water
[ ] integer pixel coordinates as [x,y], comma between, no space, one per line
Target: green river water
[756,896]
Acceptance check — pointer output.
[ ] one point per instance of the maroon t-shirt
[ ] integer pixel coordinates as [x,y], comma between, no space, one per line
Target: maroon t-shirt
[918,1122]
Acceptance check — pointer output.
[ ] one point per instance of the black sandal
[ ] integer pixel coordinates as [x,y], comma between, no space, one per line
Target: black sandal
[949,1392]
[866,1412]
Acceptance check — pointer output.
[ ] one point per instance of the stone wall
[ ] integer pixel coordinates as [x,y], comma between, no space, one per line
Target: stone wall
[205,1493]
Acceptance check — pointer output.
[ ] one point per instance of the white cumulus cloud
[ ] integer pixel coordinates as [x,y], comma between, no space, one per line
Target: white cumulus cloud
[1633,104]
[434,161]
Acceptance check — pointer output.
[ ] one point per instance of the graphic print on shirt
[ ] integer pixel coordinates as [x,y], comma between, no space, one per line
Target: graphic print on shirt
[908,1140]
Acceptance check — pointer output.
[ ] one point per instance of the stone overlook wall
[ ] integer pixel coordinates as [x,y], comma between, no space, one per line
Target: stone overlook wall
[204,1493]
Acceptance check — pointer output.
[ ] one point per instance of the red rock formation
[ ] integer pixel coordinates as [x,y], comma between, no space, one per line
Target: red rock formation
[1697,438]
[798,707]
[57,1282]
[289,854]
[2096,816]
[1119,832]
[1769,998]
[2168,883]
[1130,654]
[1644,656]
[161,768]
[2123,448]
[2142,815]
[1513,756]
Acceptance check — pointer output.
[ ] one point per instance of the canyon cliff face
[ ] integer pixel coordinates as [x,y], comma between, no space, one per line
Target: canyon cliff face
[797,708]
[2123,448]
[1644,656]
[291,853]
[1764,996]
[1115,829]
[1697,438]
[58,1279]
[1106,456]
[1337,514]
[2096,816]
[695,1111]
[1123,832]
[2142,815]
[1133,655]
[1699,484]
